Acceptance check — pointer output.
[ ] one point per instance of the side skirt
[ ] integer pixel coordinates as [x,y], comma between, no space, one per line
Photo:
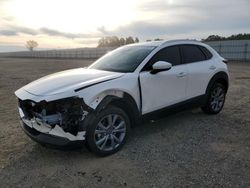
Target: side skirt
[187,104]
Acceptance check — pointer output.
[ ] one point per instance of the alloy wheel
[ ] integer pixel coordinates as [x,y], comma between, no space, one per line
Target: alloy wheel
[110,132]
[217,99]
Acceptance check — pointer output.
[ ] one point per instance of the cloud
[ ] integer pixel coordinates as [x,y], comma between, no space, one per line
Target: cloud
[193,18]
[159,5]
[159,19]
[25,30]
[8,32]
[102,30]
[52,32]
[196,29]
[16,30]
[8,18]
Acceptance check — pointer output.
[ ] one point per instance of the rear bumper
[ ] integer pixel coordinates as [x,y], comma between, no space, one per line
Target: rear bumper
[48,139]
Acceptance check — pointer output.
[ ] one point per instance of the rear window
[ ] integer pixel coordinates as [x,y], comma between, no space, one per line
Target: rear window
[192,53]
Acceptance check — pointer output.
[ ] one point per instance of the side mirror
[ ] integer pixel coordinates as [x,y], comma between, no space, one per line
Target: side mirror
[160,66]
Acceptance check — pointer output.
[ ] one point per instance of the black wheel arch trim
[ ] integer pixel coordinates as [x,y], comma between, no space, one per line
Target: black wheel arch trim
[127,103]
[219,76]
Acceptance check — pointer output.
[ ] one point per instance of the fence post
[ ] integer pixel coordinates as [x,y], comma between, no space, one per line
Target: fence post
[245,51]
[220,48]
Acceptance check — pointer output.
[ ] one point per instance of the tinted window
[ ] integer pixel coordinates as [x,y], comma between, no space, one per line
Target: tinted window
[123,59]
[206,52]
[192,53]
[169,54]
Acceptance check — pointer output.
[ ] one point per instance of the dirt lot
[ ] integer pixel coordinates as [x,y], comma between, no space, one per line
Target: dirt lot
[187,149]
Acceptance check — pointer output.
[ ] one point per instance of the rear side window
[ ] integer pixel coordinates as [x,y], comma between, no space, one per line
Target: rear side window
[192,53]
[169,54]
[206,52]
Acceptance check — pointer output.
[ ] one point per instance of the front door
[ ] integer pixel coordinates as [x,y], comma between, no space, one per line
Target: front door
[164,88]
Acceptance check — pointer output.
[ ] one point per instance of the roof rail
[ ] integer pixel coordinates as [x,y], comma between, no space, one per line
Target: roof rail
[178,40]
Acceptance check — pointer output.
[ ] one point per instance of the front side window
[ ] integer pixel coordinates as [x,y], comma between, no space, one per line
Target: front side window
[123,59]
[169,54]
[192,53]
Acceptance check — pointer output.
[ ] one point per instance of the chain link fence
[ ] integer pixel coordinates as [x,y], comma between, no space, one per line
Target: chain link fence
[78,53]
[238,50]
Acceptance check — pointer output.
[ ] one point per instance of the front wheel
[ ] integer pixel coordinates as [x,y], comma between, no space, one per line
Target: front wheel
[108,132]
[216,99]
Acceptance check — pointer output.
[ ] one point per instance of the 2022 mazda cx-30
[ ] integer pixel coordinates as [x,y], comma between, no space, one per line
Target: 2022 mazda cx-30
[99,104]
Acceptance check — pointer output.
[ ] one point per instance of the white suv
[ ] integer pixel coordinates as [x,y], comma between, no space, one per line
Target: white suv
[98,105]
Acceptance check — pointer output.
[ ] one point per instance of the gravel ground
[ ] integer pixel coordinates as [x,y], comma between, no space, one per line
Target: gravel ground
[186,149]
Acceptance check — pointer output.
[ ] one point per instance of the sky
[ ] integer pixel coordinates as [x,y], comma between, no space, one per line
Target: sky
[58,24]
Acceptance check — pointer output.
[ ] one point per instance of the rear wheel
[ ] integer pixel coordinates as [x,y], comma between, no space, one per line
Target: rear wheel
[108,132]
[216,99]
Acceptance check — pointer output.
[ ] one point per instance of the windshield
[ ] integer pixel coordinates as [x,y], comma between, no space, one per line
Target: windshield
[123,59]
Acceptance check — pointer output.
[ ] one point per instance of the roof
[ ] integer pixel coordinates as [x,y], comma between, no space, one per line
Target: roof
[159,43]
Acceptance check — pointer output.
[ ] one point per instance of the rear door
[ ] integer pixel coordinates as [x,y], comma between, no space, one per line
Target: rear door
[200,67]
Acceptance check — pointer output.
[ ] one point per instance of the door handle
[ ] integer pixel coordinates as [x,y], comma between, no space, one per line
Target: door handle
[212,67]
[181,74]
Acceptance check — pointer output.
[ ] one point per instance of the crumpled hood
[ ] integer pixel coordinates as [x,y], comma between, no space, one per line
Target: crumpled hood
[68,80]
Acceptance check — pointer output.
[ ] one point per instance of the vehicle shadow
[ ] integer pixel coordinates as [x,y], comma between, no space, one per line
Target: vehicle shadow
[149,125]
[153,137]
[166,121]
[164,124]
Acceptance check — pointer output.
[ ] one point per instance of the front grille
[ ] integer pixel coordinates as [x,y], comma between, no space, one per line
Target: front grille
[31,108]
[26,107]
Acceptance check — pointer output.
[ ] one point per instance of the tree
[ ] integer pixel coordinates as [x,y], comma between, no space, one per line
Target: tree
[214,38]
[31,44]
[240,36]
[130,40]
[122,41]
[115,41]
[158,39]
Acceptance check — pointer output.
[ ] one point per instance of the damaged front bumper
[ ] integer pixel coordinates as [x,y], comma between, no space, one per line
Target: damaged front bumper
[51,139]
[56,131]
[59,123]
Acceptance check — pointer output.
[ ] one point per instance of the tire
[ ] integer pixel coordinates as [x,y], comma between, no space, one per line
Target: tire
[108,132]
[216,99]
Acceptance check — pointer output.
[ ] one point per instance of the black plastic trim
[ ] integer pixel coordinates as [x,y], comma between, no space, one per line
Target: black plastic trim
[127,103]
[187,104]
[140,93]
[81,88]
[216,77]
